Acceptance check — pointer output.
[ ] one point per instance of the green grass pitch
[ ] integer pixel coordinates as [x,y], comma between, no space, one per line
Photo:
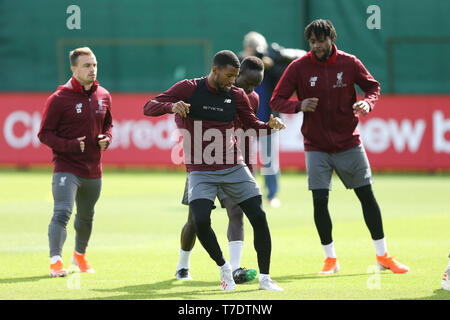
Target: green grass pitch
[135,241]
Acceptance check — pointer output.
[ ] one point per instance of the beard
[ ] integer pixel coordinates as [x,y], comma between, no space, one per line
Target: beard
[325,56]
[220,87]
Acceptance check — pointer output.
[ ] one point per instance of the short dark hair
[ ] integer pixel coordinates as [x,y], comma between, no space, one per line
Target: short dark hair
[226,57]
[321,28]
[252,63]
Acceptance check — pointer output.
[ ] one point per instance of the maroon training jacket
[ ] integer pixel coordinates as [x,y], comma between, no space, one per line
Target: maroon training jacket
[332,127]
[253,98]
[183,90]
[71,113]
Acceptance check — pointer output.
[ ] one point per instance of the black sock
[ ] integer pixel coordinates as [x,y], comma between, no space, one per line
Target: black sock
[322,217]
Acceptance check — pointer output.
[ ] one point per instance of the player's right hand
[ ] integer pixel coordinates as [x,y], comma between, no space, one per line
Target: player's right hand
[82,145]
[181,108]
[309,104]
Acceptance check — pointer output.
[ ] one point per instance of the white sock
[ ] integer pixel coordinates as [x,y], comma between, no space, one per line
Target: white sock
[380,247]
[329,250]
[184,260]
[235,250]
[263,276]
[54,259]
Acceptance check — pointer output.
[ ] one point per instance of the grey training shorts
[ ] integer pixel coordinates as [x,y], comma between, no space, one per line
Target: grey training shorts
[352,167]
[236,183]
[220,194]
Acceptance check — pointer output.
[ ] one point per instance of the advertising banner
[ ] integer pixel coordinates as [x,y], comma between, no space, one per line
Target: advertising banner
[401,133]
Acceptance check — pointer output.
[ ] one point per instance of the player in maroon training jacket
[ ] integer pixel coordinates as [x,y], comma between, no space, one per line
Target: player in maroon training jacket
[77,127]
[324,80]
[251,73]
[205,109]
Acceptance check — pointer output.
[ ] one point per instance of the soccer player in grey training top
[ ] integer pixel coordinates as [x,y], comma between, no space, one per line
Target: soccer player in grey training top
[77,127]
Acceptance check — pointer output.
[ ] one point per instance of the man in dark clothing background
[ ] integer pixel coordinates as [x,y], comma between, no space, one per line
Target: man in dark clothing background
[276,59]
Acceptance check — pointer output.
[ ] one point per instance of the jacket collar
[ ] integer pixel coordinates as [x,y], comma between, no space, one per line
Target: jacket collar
[331,59]
[75,86]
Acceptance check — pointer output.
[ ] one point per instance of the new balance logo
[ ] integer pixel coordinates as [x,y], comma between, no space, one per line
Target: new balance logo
[78,107]
[227,101]
[312,81]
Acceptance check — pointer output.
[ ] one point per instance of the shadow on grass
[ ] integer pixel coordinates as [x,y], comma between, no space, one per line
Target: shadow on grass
[153,290]
[438,294]
[25,279]
[194,290]
[316,276]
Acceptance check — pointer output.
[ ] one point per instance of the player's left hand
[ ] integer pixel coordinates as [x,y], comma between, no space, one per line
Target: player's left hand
[361,107]
[102,141]
[276,123]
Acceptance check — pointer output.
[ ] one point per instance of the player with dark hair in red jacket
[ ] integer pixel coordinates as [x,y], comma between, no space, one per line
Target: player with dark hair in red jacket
[206,107]
[324,80]
[77,126]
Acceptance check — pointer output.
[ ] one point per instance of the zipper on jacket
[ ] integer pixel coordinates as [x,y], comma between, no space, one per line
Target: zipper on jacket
[329,110]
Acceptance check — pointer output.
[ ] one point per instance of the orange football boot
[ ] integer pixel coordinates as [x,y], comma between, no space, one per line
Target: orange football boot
[82,263]
[387,262]
[330,266]
[57,270]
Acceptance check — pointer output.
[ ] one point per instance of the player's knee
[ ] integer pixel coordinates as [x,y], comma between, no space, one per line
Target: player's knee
[254,211]
[201,213]
[83,222]
[365,193]
[320,199]
[61,216]
[235,214]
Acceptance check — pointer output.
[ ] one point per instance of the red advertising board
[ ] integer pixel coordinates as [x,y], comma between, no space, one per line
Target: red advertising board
[402,133]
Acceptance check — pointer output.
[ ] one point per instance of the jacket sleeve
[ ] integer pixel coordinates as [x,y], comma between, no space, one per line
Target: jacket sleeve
[107,124]
[283,91]
[248,117]
[49,127]
[163,103]
[367,83]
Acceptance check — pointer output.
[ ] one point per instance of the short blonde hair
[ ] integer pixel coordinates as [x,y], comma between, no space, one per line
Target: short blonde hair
[74,54]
